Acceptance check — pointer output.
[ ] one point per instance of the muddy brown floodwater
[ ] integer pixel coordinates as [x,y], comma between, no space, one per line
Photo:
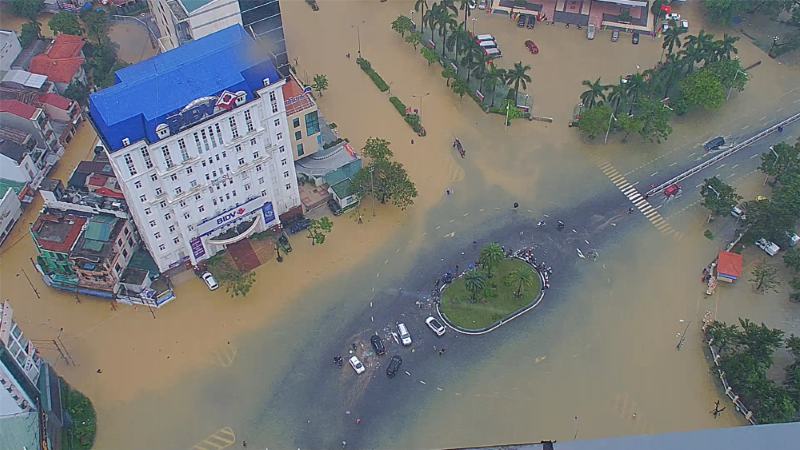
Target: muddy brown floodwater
[206,362]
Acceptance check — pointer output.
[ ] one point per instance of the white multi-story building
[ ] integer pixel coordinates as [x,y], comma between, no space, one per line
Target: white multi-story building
[199,141]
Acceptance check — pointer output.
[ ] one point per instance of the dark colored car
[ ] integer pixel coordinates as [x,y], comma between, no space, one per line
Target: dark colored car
[377,344]
[521,21]
[394,366]
[635,38]
[531,22]
[333,205]
[715,143]
[299,225]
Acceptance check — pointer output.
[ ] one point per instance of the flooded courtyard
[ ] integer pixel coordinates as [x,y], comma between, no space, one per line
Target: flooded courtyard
[207,371]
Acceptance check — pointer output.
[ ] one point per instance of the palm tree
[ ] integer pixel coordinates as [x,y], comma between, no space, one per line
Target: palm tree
[705,40]
[521,276]
[467,10]
[421,5]
[672,64]
[672,38]
[725,46]
[691,54]
[617,95]
[518,75]
[595,91]
[449,4]
[474,52]
[493,77]
[429,17]
[445,21]
[479,70]
[635,85]
[491,254]
[475,281]
[459,39]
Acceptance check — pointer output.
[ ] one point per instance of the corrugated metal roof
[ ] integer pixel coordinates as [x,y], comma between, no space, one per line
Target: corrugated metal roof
[99,229]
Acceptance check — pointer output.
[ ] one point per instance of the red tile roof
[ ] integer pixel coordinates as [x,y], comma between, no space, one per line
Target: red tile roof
[64,232]
[96,180]
[55,100]
[60,62]
[293,97]
[17,108]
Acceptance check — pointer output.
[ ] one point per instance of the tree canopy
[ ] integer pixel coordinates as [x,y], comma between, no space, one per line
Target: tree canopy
[594,122]
[402,25]
[389,179]
[718,197]
[27,9]
[702,88]
[65,22]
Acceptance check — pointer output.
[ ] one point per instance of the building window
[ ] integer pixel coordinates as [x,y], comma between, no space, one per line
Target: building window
[255,155]
[137,185]
[124,253]
[130,242]
[208,177]
[289,187]
[117,268]
[234,192]
[219,133]
[119,242]
[258,168]
[183,203]
[148,211]
[217,156]
[286,174]
[184,152]
[204,163]
[198,197]
[249,121]
[214,201]
[253,141]
[277,122]
[162,247]
[273,101]
[227,196]
[129,163]
[281,149]
[300,150]
[214,173]
[298,135]
[201,208]
[283,162]
[193,183]
[172,228]
[197,142]
[234,130]
[238,148]
[177,240]
[247,187]
[189,171]
[143,198]
[296,122]
[227,167]
[279,136]
[158,191]
[157,235]
[191,228]
[211,135]
[312,123]
[245,175]
[167,156]
[186,215]
[125,230]
[173,177]
[261,180]
[205,139]
[241,161]
[152,223]
[178,190]
[211,160]
[163,204]
[153,177]
[167,216]
[224,154]
[148,163]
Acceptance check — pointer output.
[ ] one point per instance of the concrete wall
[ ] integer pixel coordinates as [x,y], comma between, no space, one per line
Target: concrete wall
[10,210]
[10,49]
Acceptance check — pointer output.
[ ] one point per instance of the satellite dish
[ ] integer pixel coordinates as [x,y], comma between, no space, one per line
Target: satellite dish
[307,89]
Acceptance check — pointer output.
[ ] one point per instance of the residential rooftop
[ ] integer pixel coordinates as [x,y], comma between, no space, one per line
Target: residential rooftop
[17,108]
[12,150]
[97,239]
[61,60]
[56,233]
[295,98]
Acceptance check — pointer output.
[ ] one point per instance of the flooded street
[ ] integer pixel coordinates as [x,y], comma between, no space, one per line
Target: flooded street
[600,347]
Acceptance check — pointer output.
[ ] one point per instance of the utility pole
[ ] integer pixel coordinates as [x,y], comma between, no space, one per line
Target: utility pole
[372,185]
[358,33]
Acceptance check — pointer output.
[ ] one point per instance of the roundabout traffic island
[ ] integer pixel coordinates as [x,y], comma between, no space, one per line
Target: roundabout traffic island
[475,303]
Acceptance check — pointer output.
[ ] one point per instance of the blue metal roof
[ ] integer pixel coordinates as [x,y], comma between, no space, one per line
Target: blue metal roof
[146,92]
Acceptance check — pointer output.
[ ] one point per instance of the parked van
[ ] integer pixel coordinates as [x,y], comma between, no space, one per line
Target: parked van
[405,336]
[488,44]
[793,239]
[493,53]
[590,31]
[737,212]
[769,247]
[484,37]
[715,143]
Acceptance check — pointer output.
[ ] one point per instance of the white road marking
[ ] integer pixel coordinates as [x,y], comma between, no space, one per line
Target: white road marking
[721,166]
[692,154]
[779,110]
[634,184]
[438,227]
[439,389]
[754,156]
[735,166]
[422,382]
[452,220]
[659,206]
[379,274]
[745,127]
[386,262]
[654,174]
[673,164]
[763,118]
[797,101]
[481,210]
[699,185]
[466,214]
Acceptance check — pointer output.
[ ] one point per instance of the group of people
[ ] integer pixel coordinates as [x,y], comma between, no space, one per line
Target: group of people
[338,360]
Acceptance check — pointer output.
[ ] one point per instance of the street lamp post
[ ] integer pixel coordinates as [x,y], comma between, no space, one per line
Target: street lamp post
[358,33]
[734,79]
[473,25]
[774,43]
[372,185]
[505,125]
[773,164]
[420,97]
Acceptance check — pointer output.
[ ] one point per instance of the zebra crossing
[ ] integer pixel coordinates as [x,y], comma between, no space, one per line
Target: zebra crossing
[221,439]
[630,191]
[453,170]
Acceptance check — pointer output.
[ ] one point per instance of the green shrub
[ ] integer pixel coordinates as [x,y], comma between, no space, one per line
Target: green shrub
[413,120]
[401,108]
[81,435]
[334,143]
[364,64]
[709,235]
[367,67]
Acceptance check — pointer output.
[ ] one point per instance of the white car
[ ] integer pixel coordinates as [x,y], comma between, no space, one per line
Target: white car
[684,24]
[472,4]
[405,336]
[210,281]
[356,365]
[435,326]
[769,247]
[673,16]
[482,4]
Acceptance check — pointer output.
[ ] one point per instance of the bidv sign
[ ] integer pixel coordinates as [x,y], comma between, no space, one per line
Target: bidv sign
[229,216]
[199,109]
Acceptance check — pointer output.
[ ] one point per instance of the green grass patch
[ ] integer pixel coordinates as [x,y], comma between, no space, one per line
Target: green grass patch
[495,303]
[81,435]
[709,235]
[398,105]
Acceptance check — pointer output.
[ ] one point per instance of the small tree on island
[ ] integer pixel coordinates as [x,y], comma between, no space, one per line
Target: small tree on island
[402,25]
[448,74]
[414,39]
[320,83]
[316,229]
[594,122]
[236,282]
[718,197]
[429,55]
[491,255]
[765,276]
[521,277]
[474,281]
[459,87]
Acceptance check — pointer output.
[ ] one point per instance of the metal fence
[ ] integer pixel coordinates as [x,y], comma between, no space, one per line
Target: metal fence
[728,390]
[147,24]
